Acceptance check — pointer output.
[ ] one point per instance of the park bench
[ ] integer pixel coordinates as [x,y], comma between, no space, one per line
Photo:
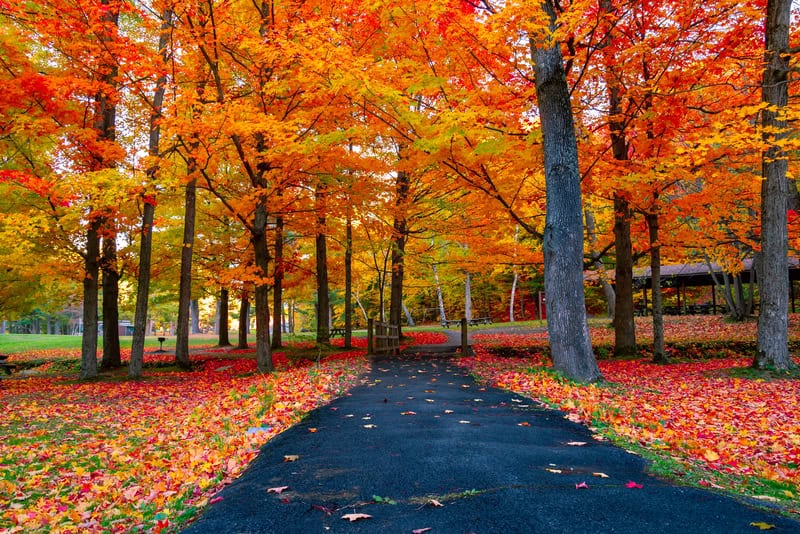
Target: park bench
[447,323]
[480,320]
[5,365]
[336,331]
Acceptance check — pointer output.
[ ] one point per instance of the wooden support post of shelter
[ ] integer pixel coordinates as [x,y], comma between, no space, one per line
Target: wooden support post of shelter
[382,338]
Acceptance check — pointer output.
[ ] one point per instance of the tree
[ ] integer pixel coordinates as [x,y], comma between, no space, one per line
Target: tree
[773,319]
[563,235]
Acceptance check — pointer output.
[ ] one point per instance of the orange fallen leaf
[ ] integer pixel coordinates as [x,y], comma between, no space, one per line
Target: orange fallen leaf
[312,429]
[524,423]
[435,503]
[291,457]
[600,475]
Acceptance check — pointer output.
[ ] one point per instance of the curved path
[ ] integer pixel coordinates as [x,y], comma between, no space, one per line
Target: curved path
[422,446]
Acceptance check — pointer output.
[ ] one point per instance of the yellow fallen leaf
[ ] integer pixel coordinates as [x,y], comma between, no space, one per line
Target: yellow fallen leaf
[556,471]
[710,455]
[762,526]
[600,475]
[355,517]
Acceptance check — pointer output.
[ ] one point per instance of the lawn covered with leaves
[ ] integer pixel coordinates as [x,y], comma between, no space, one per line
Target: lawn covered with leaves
[708,421]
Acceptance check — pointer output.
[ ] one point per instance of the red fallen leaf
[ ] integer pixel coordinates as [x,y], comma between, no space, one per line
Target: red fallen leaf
[285,501]
[356,517]
[215,500]
[633,485]
[323,509]
[524,423]
[582,485]
[421,530]
[278,490]
[312,430]
[408,413]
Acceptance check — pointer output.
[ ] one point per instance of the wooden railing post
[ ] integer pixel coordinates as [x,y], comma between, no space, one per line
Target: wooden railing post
[464,343]
[370,336]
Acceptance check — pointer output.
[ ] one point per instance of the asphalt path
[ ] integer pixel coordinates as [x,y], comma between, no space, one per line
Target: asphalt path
[423,446]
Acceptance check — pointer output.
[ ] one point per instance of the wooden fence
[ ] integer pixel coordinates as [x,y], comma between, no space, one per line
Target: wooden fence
[382,338]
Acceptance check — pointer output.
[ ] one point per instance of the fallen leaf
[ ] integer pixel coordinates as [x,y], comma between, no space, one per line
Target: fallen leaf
[356,517]
[524,423]
[291,457]
[435,503]
[576,443]
[464,422]
[429,400]
[278,490]
[421,530]
[370,426]
[324,509]
[408,413]
[215,500]
[710,455]
[556,471]
[312,429]
[633,485]
[582,485]
[448,411]
[762,526]
[600,475]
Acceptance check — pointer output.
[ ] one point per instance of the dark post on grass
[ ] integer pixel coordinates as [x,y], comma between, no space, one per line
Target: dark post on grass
[161,341]
[464,344]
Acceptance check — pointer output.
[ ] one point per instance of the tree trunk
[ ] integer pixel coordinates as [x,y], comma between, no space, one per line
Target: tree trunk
[773,317]
[567,325]
[90,293]
[608,289]
[194,307]
[399,237]
[261,252]
[222,322]
[659,353]
[244,320]
[323,298]
[277,287]
[185,289]
[442,314]
[148,212]
[348,283]
[468,297]
[407,313]
[513,295]
[108,265]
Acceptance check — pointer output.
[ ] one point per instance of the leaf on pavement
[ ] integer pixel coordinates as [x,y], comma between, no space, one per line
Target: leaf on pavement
[291,457]
[421,530]
[556,471]
[576,443]
[408,413]
[435,503]
[600,475]
[762,526]
[370,426]
[633,485]
[524,423]
[356,517]
[582,485]
[278,490]
[448,411]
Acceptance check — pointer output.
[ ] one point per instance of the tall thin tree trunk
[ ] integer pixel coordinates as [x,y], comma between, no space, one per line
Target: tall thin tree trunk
[194,311]
[323,298]
[277,286]
[659,352]
[91,268]
[399,237]
[108,265]
[567,324]
[513,295]
[348,282]
[244,320]
[261,252]
[442,314]
[468,296]
[222,322]
[185,289]
[773,317]
[608,289]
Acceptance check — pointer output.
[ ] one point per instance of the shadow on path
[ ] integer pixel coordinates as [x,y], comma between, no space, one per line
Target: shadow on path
[422,446]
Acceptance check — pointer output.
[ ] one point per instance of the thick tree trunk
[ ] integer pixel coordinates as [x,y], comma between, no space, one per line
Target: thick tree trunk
[773,318]
[624,326]
[244,320]
[659,352]
[277,287]
[222,322]
[261,252]
[91,273]
[108,265]
[348,283]
[399,237]
[567,324]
